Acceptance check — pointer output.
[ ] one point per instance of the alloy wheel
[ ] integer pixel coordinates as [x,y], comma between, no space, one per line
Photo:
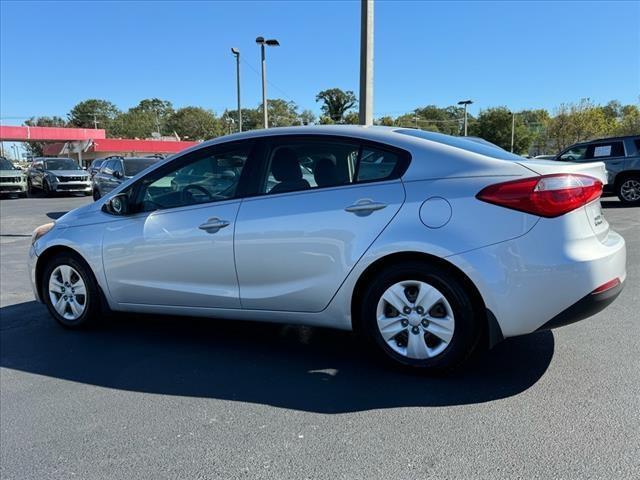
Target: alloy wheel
[67,292]
[415,319]
[630,190]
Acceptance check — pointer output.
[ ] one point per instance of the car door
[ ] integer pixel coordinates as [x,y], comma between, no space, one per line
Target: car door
[318,208]
[106,170]
[176,248]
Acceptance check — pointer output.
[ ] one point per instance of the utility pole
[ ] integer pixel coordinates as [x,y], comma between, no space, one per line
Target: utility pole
[513,129]
[95,121]
[271,43]
[236,53]
[465,103]
[366,62]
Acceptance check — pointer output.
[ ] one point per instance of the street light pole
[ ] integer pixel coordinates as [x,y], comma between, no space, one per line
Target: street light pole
[465,103]
[366,62]
[236,53]
[271,43]
[513,129]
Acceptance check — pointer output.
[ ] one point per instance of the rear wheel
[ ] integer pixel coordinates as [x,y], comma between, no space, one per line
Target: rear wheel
[419,315]
[628,190]
[70,291]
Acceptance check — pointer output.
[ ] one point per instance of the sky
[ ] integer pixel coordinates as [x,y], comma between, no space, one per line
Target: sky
[517,54]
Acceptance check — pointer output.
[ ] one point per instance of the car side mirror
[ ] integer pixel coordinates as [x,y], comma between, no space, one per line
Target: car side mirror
[117,205]
[117,174]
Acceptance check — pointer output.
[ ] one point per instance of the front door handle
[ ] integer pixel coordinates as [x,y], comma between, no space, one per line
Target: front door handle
[365,207]
[213,225]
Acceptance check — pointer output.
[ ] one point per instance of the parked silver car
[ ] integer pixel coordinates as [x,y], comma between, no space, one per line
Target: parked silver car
[57,175]
[430,245]
[621,156]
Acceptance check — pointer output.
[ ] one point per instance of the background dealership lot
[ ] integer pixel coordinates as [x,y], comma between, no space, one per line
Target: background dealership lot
[183,398]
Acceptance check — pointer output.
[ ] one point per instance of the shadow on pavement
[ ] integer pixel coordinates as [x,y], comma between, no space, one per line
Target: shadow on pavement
[311,369]
[614,204]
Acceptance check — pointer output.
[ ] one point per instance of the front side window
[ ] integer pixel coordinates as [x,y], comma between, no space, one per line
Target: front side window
[604,150]
[107,167]
[207,177]
[117,167]
[573,154]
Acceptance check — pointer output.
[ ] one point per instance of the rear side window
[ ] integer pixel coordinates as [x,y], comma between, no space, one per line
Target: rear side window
[376,165]
[637,144]
[302,164]
[604,150]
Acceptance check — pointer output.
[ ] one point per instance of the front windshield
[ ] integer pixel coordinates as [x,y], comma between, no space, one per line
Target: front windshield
[61,164]
[6,164]
[134,167]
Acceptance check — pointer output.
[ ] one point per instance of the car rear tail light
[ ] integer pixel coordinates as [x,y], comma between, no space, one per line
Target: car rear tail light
[607,286]
[546,196]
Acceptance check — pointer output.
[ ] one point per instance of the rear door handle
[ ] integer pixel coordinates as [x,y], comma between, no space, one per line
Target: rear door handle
[365,207]
[213,225]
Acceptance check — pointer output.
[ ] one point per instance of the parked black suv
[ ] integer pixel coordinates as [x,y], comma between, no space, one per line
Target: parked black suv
[621,156]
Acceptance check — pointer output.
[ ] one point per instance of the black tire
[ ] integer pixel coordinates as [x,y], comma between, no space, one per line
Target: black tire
[29,187]
[623,191]
[46,189]
[23,195]
[92,301]
[96,194]
[467,331]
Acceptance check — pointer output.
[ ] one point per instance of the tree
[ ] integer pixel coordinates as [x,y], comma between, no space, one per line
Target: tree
[494,125]
[629,123]
[251,118]
[195,123]
[145,120]
[351,118]
[93,112]
[307,117]
[336,103]
[36,149]
[386,121]
[435,119]
[282,113]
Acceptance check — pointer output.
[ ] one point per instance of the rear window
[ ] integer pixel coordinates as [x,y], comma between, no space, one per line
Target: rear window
[134,167]
[463,143]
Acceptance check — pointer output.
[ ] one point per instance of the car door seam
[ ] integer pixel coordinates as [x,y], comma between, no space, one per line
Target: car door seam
[233,247]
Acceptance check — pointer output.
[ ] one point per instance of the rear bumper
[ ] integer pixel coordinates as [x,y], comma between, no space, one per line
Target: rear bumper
[544,278]
[584,308]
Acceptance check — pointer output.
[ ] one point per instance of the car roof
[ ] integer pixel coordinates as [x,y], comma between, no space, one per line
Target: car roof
[605,139]
[397,136]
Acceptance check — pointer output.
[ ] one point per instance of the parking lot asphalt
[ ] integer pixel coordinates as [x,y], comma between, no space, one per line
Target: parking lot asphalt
[148,397]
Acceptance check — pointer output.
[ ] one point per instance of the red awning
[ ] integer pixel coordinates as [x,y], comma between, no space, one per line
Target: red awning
[49,134]
[125,145]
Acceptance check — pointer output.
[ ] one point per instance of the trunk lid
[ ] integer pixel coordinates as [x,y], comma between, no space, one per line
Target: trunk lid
[593,210]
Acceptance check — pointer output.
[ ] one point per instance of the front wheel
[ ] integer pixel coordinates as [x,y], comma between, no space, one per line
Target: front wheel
[96,194]
[46,189]
[70,291]
[420,315]
[628,190]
